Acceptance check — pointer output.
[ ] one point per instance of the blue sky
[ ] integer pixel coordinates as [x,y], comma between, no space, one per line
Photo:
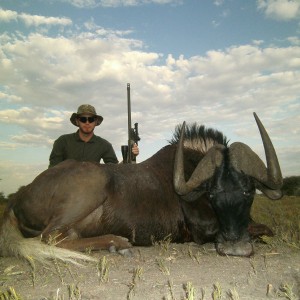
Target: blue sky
[213,62]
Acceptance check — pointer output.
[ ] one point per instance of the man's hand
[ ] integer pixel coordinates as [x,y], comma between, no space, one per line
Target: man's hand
[135,150]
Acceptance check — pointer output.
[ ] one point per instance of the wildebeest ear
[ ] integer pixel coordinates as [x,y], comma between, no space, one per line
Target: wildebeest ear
[271,194]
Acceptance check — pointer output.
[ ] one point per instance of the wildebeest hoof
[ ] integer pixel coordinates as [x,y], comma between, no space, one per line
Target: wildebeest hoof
[126,252]
[112,249]
[235,249]
[118,243]
[123,252]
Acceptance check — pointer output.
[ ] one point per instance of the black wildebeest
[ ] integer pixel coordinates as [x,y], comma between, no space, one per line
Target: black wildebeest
[195,189]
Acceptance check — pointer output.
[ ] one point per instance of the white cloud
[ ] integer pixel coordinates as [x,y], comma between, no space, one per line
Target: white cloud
[32,20]
[9,98]
[280,9]
[294,40]
[34,120]
[117,3]
[95,30]
[47,78]
[69,70]
[8,15]
[218,2]
[20,173]
[30,139]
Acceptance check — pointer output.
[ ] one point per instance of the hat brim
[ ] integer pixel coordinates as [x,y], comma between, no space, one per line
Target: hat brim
[75,116]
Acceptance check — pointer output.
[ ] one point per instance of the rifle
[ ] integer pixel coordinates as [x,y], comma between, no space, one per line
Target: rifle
[133,134]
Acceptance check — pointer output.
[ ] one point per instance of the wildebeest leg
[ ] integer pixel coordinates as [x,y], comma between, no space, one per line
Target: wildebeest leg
[107,242]
[69,238]
[257,230]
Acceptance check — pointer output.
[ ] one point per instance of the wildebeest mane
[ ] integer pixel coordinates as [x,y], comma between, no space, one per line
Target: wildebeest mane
[198,137]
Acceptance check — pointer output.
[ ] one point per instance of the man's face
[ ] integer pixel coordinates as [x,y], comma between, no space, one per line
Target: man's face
[86,123]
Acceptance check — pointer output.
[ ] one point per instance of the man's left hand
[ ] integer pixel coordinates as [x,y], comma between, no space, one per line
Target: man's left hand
[135,150]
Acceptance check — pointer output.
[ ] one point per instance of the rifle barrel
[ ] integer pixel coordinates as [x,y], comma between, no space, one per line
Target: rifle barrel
[129,123]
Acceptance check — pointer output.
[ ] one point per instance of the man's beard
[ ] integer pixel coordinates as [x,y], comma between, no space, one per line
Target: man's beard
[87,131]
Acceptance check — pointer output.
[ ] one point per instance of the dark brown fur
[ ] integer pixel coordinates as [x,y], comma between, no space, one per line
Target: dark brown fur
[85,204]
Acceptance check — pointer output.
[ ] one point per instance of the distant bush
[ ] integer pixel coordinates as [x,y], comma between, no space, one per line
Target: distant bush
[291,186]
[3,199]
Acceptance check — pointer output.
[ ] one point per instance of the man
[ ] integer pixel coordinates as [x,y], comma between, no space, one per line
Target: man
[84,145]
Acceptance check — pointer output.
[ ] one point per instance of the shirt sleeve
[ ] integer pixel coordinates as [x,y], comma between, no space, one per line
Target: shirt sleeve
[110,156]
[57,153]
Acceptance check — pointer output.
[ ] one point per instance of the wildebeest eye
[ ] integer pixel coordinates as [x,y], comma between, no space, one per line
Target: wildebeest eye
[211,195]
[246,193]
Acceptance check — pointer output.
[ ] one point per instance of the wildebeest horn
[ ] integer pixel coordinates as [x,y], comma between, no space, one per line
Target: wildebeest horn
[204,170]
[244,159]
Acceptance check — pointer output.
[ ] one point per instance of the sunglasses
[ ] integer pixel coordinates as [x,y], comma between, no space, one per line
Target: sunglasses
[85,119]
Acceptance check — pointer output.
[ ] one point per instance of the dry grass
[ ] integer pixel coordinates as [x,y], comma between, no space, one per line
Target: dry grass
[2,207]
[281,216]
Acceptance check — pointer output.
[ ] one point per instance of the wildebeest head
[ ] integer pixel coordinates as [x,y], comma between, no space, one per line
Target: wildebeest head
[229,177]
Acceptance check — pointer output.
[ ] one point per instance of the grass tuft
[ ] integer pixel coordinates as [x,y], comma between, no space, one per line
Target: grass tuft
[162,266]
[190,291]
[10,294]
[103,269]
[137,275]
[164,244]
[233,294]
[217,292]
[286,291]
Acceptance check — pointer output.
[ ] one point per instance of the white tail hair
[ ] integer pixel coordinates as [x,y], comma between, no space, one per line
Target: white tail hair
[12,243]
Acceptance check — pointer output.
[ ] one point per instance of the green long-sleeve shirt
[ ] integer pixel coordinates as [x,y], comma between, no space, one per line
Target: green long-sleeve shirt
[70,146]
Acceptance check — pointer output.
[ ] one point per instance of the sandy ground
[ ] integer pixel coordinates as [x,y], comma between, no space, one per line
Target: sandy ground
[164,271]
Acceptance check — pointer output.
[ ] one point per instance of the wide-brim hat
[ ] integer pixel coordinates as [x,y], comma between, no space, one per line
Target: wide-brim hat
[86,109]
